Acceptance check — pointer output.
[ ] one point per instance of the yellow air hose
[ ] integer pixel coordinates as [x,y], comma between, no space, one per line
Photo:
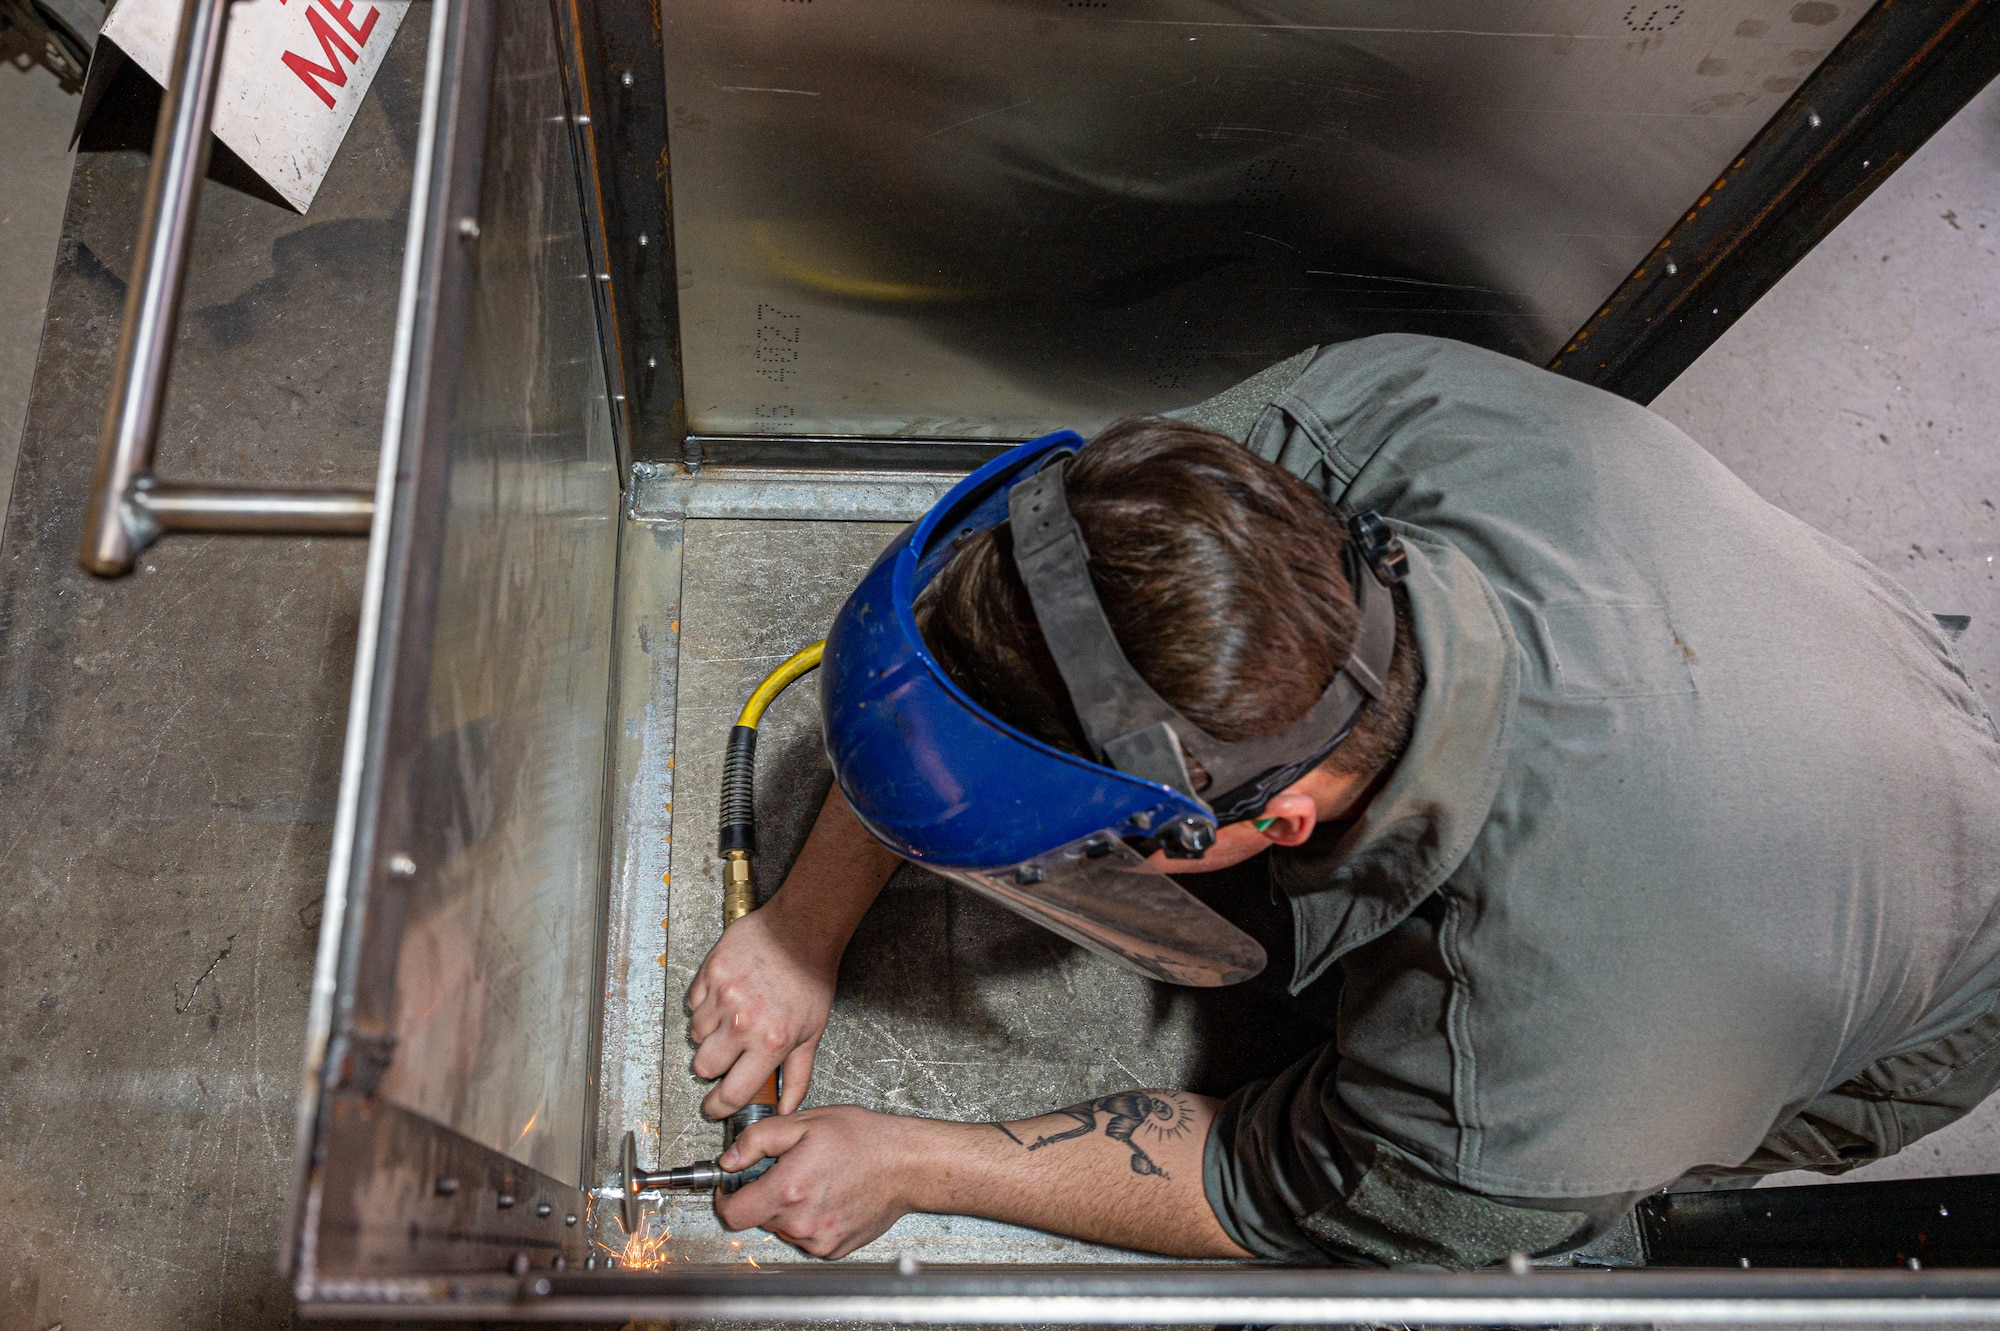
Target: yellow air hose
[739,834]
[798,663]
[739,815]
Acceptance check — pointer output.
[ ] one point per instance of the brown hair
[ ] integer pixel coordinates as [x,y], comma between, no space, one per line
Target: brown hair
[1222,576]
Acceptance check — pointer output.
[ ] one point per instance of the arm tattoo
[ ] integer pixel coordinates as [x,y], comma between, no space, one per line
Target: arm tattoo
[1010,1134]
[1127,1112]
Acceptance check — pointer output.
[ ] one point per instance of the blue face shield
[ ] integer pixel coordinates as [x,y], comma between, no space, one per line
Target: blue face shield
[1058,838]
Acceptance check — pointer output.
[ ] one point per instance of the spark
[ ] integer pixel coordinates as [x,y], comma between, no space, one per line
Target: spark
[644,1249]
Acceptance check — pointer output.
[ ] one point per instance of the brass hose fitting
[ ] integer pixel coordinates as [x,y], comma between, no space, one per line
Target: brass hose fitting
[739,886]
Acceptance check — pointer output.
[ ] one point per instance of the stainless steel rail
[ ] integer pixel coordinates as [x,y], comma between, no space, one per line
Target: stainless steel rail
[1226,1295]
[129,508]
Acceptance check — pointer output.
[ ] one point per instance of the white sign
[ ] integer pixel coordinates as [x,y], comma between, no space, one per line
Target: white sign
[293,75]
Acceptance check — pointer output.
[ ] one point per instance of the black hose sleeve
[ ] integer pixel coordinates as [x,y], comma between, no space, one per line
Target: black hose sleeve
[739,815]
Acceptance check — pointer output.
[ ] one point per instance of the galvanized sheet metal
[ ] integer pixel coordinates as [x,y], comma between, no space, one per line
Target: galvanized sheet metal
[996,217]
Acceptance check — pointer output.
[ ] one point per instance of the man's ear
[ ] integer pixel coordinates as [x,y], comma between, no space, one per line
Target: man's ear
[1289,818]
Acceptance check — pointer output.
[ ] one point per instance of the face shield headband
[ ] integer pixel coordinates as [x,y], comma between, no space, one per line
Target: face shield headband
[1049,834]
[1133,729]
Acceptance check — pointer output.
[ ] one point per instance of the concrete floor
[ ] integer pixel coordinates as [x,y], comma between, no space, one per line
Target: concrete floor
[1860,395]
[34,182]
[168,745]
[170,742]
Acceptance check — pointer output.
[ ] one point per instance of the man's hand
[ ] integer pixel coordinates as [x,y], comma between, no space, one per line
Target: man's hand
[840,1181]
[760,1000]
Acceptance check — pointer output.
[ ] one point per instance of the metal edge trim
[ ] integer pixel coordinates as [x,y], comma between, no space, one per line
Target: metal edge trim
[838,452]
[466,1233]
[1895,79]
[1059,1309]
[610,813]
[326,957]
[621,913]
[665,492]
[581,133]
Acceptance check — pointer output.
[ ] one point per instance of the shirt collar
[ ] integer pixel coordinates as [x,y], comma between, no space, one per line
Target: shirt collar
[1355,881]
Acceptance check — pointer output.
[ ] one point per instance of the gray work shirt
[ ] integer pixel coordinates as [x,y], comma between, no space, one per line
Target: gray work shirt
[1698,825]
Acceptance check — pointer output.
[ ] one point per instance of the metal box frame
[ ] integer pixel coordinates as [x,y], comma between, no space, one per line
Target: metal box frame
[405,1196]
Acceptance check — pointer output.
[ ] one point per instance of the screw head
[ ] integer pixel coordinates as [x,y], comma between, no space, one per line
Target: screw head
[1187,838]
[626,78]
[445,1187]
[468,228]
[543,1210]
[569,1220]
[583,120]
[402,866]
[518,1264]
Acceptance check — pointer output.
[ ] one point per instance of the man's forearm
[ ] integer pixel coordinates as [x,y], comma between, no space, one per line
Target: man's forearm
[836,878]
[1123,1169]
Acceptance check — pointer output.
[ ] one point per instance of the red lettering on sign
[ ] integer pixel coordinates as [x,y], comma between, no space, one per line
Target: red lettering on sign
[311,74]
[331,46]
[341,9]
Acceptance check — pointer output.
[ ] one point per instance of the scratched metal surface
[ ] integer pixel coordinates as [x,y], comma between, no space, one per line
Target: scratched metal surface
[635,994]
[169,747]
[948,1006]
[1015,214]
[501,922]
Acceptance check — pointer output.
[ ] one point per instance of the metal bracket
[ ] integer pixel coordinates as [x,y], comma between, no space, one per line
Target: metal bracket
[361,1061]
[129,507]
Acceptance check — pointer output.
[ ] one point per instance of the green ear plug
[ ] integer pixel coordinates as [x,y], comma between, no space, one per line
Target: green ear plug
[1263,824]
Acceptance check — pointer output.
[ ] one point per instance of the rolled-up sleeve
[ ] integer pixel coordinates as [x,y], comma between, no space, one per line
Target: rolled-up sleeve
[1271,1160]
[1288,1184]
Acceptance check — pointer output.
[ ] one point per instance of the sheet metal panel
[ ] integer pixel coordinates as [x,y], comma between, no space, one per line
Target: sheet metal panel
[495,971]
[459,975]
[989,218]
